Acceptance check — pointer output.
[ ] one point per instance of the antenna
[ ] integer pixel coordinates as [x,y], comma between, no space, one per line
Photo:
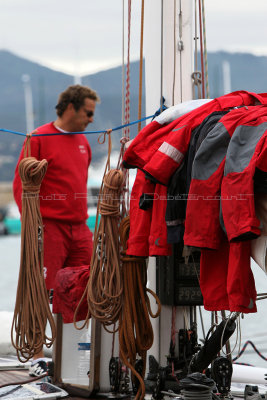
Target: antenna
[226,70]
[28,102]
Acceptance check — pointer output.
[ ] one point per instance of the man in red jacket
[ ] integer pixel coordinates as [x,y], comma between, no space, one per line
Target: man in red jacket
[63,193]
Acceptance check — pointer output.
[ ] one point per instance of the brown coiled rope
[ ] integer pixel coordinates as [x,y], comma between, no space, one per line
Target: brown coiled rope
[104,288]
[105,285]
[135,329]
[32,311]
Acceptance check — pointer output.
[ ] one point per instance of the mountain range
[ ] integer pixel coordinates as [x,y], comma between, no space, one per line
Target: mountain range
[247,72]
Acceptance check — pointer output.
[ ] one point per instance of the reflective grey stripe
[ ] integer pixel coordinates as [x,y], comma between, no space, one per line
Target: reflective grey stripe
[211,153]
[178,129]
[174,222]
[171,152]
[242,147]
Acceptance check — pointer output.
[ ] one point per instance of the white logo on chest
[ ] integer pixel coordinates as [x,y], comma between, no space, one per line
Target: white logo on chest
[82,148]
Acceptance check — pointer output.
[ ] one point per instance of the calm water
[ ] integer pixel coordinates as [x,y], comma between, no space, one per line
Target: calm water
[253,326]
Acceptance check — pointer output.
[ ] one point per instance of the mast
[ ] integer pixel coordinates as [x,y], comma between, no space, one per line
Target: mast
[168,50]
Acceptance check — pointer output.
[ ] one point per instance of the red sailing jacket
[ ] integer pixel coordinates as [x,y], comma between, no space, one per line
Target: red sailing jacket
[247,151]
[63,194]
[148,230]
[204,229]
[234,148]
[226,278]
[148,233]
[141,150]
[159,150]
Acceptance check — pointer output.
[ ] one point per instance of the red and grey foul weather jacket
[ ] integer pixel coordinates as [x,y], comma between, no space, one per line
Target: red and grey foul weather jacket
[247,151]
[226,279]
[204,229]
[152,141]
[148,233]
[159,150]
[148,230]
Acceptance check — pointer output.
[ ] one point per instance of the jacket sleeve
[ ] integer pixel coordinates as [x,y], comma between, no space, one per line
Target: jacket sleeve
[247,150]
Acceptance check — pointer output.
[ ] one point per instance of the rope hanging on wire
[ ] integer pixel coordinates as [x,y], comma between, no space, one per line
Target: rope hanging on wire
[104,288]
[32,311]
[135,329]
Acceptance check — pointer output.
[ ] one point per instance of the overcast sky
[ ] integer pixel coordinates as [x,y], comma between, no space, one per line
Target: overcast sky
[83,36]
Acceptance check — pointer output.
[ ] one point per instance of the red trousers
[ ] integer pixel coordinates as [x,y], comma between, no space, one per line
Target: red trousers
[65,245]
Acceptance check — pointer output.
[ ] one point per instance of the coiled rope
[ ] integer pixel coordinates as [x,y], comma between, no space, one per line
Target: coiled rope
[135,329]
[104,287]
[32,311]
[204,393]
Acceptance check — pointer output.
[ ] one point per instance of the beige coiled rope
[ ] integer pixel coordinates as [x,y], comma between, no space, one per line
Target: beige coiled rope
[32,311]
[135,329]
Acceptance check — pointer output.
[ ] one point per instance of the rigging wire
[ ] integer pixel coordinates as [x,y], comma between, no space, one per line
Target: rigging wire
[141,66]
[181,47]
[205,51]
[196,37]
[79,133]
[232,316]
[196,75]
[123,70]
[161,58]
[227,344]
[127,94]
[201,48]
[125,203]
[174,51]
[244,348]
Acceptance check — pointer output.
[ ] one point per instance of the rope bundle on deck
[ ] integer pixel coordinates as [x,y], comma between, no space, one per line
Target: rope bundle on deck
[32,311]
[135,329]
